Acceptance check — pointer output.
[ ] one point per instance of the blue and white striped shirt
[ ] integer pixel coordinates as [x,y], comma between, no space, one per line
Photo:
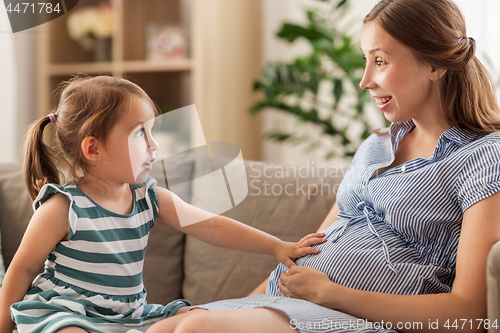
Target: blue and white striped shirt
[398,231]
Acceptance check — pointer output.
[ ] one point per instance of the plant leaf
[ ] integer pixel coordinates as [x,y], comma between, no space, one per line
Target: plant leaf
[341,3]
[278,136]
[338,90]
[290,32]
[294,87]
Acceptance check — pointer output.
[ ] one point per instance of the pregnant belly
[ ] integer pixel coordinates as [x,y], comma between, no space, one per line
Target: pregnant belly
[356,260]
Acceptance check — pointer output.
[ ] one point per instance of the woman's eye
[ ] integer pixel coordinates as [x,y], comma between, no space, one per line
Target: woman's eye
[379,62]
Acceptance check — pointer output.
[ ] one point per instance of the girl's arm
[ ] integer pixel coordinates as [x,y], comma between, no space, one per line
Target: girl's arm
[329,219]
[464,306]
[47,227]
[230,234]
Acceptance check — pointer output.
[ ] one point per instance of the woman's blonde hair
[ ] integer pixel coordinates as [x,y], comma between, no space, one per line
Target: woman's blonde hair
[88,106]
[434,30]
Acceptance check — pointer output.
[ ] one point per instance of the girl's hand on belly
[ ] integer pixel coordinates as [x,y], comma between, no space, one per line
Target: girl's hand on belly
[304,283]
[287,252]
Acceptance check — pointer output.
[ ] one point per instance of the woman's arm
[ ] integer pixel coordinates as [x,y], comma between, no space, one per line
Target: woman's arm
[464,305]
[47,227]
[261,289]
[329,219]
[227,233]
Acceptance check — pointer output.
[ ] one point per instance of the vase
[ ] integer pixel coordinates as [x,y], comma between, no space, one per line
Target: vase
[103,49]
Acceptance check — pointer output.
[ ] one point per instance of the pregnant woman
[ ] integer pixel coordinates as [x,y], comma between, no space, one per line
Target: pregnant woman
[418,210]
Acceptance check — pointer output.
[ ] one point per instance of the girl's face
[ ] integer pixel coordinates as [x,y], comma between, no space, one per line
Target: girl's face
[130,146]
[403,87]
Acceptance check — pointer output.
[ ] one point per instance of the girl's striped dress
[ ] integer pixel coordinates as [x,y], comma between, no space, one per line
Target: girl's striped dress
[398,231]
[94,280]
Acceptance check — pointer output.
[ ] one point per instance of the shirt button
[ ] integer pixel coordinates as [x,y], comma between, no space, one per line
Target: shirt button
[441,140]
[438,154]
[403,168]
[364,183]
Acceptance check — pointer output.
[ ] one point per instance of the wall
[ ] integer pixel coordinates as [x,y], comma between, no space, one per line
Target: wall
[230,59]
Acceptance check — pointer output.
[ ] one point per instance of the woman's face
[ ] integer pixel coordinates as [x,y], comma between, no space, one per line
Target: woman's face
[403,87]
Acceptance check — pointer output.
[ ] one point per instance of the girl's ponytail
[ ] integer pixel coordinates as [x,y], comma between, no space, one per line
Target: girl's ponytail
[40,161]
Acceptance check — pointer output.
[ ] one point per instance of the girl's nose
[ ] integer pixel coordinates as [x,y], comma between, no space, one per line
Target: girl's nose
[152,143]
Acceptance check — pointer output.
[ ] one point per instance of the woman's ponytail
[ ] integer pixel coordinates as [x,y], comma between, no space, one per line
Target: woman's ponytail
[40,161]
[468,96]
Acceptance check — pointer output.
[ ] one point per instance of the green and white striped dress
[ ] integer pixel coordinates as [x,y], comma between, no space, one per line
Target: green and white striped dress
[94,280]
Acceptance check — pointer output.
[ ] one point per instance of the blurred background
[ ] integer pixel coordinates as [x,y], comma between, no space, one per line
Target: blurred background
[276,77]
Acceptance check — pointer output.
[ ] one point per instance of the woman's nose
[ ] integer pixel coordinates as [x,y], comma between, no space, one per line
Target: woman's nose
[366,81]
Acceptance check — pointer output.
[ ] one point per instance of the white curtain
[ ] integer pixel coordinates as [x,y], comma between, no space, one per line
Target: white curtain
[18,78]
[8,91]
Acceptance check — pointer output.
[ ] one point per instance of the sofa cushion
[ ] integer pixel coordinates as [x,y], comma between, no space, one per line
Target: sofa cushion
[15,209]
[281,201]
[163,265]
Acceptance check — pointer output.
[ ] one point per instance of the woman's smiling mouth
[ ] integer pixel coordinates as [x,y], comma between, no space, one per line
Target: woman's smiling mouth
[383,102]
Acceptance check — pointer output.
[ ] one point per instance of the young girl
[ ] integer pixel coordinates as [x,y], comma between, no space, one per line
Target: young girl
[92,232]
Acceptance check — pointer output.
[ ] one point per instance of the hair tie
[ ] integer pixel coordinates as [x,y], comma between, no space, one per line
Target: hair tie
[52,117]
[470,49]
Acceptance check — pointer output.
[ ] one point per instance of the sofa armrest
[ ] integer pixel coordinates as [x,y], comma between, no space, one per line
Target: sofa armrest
[493,284]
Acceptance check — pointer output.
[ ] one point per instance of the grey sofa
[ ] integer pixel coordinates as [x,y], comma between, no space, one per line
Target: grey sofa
[285,201]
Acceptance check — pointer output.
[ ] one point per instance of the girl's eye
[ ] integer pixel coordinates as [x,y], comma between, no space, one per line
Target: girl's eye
[140,133]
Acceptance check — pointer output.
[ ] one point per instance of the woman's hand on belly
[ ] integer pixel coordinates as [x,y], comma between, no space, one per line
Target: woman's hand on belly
[304,283]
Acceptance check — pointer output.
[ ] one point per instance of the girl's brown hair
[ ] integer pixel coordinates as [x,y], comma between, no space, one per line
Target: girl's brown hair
[434,30]
[88,106]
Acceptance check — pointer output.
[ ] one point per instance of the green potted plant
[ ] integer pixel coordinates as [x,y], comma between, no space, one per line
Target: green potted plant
[294,87]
